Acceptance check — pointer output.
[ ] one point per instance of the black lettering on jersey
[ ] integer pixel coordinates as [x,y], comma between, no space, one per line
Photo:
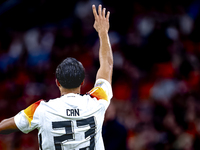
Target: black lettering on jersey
[72,112]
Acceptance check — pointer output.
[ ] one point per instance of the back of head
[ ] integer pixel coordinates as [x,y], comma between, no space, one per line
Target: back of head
[70,73]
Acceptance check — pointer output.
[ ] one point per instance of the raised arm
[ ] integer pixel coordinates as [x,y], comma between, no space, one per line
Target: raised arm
[101,25]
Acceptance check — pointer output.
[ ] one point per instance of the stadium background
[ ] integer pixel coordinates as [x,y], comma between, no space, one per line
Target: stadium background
[156,49]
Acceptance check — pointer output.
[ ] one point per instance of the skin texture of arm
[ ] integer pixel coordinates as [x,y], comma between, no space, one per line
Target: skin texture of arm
[101,25]
[8,126]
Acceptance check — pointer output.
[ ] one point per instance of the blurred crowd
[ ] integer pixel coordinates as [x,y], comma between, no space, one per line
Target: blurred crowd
[156,82]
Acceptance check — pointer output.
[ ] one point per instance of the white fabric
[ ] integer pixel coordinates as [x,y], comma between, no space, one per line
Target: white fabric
[72,120]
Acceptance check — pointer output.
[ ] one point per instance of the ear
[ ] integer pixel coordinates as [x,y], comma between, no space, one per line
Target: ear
[58,83]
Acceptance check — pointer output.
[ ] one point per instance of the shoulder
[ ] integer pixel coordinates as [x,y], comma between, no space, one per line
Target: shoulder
[31,109]
[102,90]
[37,106]
[98,93]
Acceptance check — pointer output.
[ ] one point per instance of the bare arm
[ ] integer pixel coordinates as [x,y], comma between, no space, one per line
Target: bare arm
[105,51]
[8,126]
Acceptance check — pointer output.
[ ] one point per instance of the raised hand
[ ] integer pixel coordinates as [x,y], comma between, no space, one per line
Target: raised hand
[102,26]
[101,23]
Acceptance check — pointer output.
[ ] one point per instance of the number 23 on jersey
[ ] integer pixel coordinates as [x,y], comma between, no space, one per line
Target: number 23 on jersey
[70,133]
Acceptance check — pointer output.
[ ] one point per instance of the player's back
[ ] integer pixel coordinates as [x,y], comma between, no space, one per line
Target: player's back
[71,122]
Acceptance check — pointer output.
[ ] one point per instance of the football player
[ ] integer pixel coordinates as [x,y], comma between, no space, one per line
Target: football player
[72,121]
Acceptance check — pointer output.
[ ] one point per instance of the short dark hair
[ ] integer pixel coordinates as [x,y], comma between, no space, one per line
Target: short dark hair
[70,73]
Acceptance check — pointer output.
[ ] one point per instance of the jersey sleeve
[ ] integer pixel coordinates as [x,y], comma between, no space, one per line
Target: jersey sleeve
[28,119]
[102,90]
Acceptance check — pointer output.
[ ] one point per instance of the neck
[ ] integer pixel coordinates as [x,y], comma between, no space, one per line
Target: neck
[64,91]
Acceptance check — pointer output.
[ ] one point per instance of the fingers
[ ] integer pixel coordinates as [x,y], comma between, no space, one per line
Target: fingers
[108,15]
[104,12]
[100,12]
[94,11]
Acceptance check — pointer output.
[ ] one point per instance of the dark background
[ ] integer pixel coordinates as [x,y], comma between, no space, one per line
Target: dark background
[156,49]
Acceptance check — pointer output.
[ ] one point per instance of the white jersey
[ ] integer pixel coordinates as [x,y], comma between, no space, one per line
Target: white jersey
[71,122]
